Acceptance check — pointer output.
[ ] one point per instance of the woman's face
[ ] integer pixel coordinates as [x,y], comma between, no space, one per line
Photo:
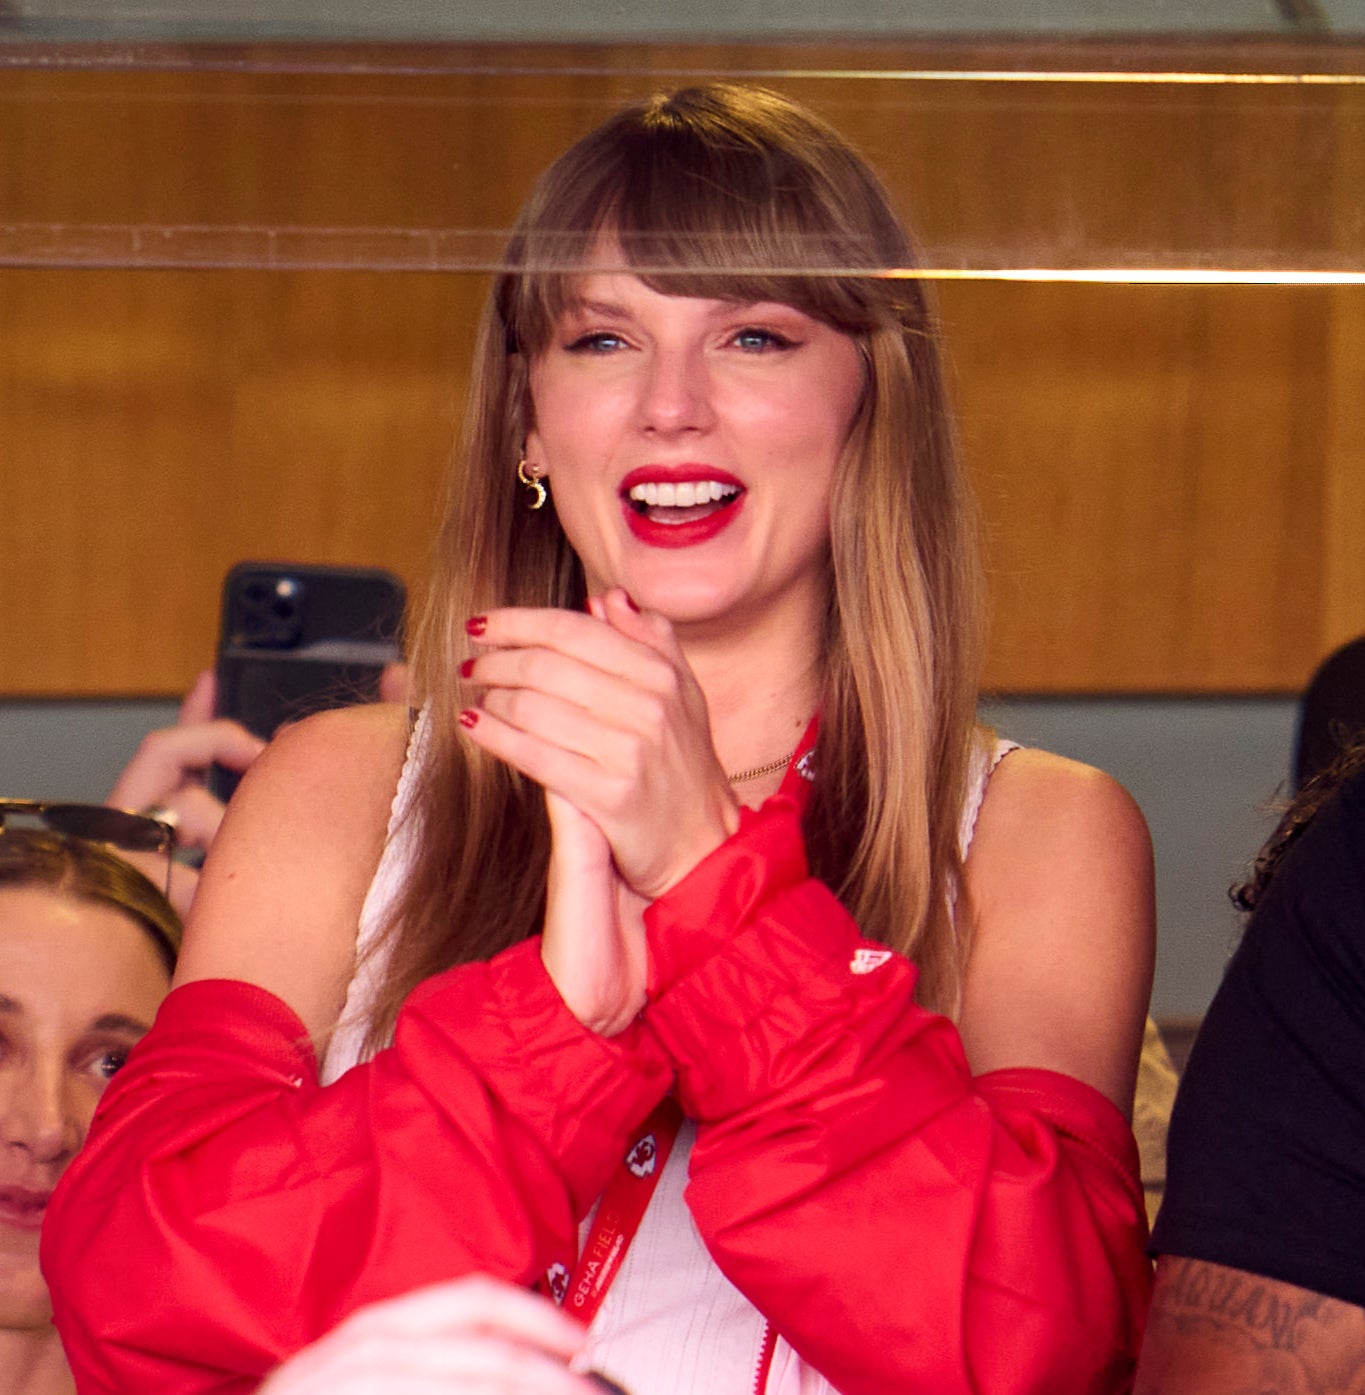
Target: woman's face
[79,984]
[691,446]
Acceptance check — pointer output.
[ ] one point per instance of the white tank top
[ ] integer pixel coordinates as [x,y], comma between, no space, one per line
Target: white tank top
[671,1323]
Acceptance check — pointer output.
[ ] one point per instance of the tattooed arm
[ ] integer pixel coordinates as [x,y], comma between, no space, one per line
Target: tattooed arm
[1220,1331]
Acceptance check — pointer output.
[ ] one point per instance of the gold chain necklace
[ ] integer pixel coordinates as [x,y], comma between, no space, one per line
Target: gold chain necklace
[772,767]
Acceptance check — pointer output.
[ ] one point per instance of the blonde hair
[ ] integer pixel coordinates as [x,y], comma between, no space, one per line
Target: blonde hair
[740,194]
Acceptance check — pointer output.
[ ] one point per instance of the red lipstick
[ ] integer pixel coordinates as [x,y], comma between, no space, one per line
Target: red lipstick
[690,524]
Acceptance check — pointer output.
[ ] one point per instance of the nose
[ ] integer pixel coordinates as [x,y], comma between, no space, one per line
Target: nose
[676,393]
[39,1114]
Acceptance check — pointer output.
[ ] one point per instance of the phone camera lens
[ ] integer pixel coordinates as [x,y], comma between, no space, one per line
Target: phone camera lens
[268,612]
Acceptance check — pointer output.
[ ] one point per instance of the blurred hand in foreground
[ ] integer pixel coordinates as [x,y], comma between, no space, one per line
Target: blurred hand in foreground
[471,1336]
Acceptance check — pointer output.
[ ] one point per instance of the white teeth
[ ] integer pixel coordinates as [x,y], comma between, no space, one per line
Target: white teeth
[686,495]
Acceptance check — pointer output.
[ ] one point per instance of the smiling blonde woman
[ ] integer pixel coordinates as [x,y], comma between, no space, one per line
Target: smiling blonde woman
[696,957]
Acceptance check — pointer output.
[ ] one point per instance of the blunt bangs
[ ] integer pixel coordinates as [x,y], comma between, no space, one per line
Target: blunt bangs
[700,204]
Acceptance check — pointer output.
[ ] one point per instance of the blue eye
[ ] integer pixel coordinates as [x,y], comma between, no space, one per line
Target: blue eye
[599,342]
[755,340]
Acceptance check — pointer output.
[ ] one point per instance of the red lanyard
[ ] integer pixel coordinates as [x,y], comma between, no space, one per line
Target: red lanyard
[628,1194]
[618,1218]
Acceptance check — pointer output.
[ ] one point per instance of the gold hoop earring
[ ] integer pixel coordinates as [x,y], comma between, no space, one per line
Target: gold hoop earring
[533,483]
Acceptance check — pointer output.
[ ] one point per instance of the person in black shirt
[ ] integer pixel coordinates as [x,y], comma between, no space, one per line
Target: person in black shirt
[1261,1239]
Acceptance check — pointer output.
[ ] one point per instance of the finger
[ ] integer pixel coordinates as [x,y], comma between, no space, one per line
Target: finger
[474,1327]
[200,701]
[481,1303]
[221,742]
[603,759]
[610,697]
[197,816]
[168,756]
[634,683]
[393,684]
[548,762]
[654,633]
[378,1363]
[577,634]
[643,626]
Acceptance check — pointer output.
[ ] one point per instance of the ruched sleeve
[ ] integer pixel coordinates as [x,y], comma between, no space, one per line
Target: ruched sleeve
[227,1209]
[903,1225]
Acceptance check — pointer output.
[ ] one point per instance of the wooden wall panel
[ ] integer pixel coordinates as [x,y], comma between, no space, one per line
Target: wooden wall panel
[179,422]
[1150,461]
[1171,476]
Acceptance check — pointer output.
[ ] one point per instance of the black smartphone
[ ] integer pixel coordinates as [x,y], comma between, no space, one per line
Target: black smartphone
[296,639]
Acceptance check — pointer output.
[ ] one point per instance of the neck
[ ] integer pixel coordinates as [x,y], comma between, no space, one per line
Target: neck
[762,685]
[32,1362]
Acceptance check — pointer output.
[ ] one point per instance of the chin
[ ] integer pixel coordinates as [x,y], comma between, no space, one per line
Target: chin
[24,1301]
[686,605]
[680,588]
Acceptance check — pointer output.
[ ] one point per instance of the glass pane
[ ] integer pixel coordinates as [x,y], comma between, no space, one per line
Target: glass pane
[440,20]
[1237,163]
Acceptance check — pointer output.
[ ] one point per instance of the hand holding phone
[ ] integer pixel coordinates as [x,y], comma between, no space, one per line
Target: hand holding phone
[297,639]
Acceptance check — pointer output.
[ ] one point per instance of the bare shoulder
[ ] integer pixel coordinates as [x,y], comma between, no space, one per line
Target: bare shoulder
[279,902]
[335,752]
[1060,883]
[1034,799]
[1220,1331]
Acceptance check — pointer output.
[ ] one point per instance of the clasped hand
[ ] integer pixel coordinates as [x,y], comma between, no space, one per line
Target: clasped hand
[602,710]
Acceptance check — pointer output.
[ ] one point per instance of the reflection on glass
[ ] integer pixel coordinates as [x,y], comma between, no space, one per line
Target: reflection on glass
[286,158]
[437,20]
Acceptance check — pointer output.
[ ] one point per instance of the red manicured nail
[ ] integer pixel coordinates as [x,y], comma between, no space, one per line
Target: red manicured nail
[467,669]
[469,718]
[476,625]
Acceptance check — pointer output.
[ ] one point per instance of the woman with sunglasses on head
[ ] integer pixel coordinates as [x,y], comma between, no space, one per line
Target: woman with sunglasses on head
[698,858]
[87,946]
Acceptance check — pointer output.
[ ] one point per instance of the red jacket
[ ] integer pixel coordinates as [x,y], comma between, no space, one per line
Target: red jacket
[903,1225]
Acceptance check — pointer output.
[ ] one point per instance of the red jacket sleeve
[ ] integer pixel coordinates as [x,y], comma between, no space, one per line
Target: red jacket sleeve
[227,1209]
[903,1225]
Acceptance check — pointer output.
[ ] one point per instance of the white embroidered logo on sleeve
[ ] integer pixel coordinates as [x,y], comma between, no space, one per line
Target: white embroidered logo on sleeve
[557,1280]
[865,960]
[643,1157]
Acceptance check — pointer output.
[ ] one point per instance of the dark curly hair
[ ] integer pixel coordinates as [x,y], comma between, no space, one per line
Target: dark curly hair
[1293,821]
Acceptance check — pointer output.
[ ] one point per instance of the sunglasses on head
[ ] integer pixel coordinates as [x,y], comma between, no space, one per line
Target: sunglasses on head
[95,823]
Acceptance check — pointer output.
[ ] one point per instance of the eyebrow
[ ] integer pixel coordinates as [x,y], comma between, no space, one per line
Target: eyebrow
[610,310]
[120,1022]
[107,1022]
[597,307]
